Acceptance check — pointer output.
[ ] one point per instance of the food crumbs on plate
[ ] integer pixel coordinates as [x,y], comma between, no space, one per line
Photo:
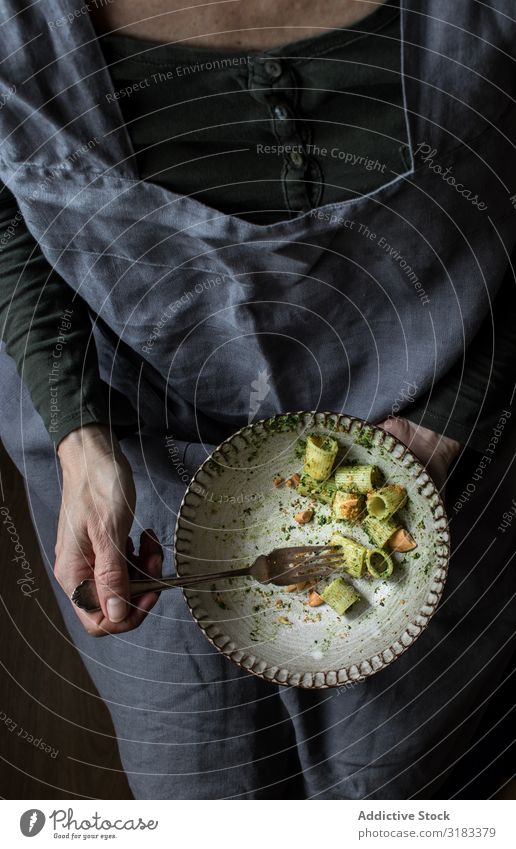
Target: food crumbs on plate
[277,481]
[311,617]
[284,620]
[304,516]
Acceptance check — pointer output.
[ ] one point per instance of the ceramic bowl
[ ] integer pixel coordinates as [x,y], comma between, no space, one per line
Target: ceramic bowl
[232,511]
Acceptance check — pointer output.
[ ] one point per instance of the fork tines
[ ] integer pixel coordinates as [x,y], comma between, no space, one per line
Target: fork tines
[320,560]
[301,551]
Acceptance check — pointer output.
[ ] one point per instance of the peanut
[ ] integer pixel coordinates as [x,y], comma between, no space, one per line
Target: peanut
[304,516]
[292,588]
[314,599]
[401,540]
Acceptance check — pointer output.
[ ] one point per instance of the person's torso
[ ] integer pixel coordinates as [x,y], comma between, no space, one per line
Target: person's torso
[334,308]
[321,121]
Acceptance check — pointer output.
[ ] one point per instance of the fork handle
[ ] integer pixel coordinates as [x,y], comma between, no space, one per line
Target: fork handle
[85,594]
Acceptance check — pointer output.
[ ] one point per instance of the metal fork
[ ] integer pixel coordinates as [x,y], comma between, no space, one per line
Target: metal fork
[283,566]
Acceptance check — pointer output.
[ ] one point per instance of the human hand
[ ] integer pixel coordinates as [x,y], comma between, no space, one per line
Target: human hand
[435,451]
[97,509]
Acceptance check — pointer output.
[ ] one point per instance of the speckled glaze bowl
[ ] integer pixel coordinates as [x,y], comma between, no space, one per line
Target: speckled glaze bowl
[231,512]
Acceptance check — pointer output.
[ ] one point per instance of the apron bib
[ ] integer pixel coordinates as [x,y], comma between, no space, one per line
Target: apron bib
[233,321]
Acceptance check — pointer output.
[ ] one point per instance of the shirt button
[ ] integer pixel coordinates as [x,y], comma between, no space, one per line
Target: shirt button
[280,113]
[297,159]
[273,68]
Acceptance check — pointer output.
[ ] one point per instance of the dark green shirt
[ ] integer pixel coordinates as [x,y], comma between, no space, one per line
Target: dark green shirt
[314,122]
[310,123]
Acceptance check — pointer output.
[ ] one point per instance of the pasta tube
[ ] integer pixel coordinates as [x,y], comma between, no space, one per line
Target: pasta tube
[378,531]
[353,554]
[321,490]
[384,502]
[340,595]
[358,478]
[348,505]
[388,534]
[378,563]
[320,456]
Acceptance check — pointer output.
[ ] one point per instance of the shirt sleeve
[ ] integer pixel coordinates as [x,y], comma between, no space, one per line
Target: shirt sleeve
[472,397]
[47,330]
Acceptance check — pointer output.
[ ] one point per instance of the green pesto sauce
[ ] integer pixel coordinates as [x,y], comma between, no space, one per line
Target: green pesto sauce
[280,424]
[365,438]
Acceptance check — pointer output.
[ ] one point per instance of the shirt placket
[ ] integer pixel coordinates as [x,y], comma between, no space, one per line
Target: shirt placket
[272,82]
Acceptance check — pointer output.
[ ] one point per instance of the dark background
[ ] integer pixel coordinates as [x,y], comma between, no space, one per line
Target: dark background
[44,686]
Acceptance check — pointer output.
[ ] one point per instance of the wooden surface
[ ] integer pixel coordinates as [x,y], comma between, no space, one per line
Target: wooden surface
[44,686]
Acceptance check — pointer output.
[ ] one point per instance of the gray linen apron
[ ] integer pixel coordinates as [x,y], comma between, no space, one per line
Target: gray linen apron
[205,321]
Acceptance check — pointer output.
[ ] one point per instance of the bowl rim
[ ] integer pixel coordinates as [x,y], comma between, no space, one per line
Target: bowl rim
[387,656]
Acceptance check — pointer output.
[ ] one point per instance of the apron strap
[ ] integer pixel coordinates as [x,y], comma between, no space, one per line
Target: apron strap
[66,114]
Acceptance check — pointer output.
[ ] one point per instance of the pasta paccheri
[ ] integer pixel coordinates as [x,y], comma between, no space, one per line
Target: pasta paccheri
[378,563]
[320,456]
[321,490]
[384,502]
[340,595]
[358,478]
[348,505]
[388,533]
[359,497]
[353,554]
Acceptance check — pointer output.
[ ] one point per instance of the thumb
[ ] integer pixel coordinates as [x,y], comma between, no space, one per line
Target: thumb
[112,579]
